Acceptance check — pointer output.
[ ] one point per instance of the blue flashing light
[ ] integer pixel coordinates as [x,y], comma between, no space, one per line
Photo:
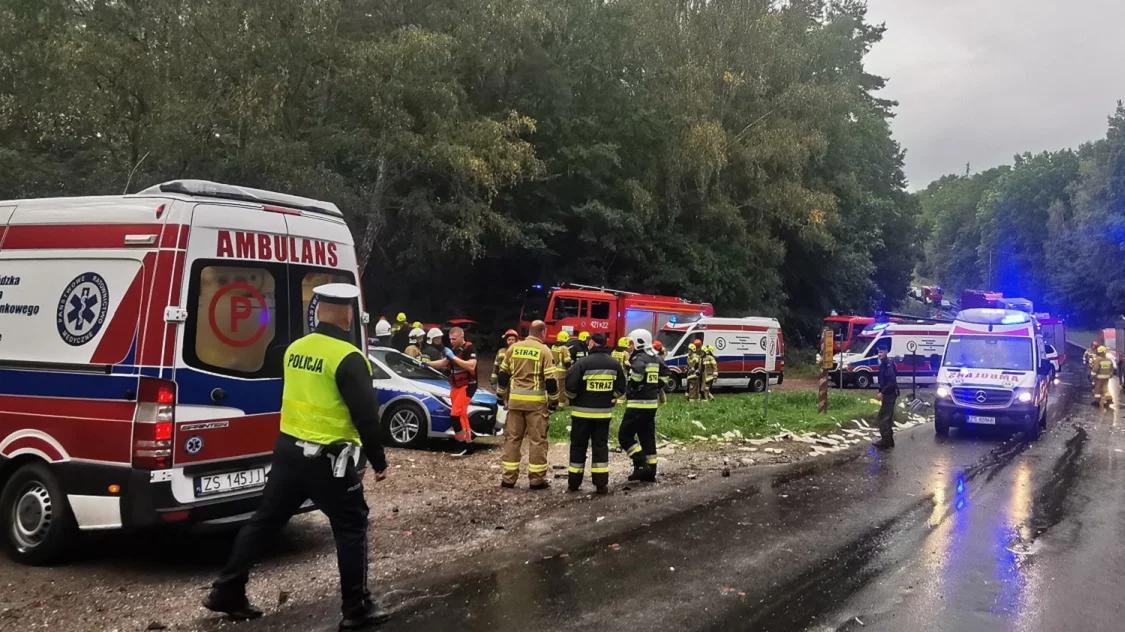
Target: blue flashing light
[673,320]
[960,485]
[537,286]
[880,326]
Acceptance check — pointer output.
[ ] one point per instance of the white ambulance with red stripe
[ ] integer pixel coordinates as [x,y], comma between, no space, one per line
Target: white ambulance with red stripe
[995,373]
[141,339]
[749,350]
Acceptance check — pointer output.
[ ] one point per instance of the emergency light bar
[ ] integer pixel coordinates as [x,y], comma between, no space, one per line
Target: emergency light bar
[206,188]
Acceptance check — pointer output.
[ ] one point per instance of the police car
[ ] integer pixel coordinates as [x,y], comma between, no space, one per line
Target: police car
[141,344]
[414,403]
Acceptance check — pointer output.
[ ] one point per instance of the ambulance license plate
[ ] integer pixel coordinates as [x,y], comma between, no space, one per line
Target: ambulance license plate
[984,421]
[229,482]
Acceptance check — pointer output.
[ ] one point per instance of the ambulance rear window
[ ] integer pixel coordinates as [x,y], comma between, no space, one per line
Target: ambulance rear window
[311,278]
[233,317]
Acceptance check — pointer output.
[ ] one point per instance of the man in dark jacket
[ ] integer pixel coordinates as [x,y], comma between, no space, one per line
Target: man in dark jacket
[888,394]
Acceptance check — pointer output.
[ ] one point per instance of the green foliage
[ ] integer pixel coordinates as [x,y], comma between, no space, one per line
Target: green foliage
[1050,227]
[729,151]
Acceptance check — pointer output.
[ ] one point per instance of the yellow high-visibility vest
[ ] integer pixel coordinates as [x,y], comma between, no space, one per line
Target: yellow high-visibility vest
[312,408]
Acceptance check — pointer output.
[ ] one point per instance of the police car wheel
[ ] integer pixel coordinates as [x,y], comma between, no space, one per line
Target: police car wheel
[38,523]
[757,384]
[862,380]
[404,425]
[676,384]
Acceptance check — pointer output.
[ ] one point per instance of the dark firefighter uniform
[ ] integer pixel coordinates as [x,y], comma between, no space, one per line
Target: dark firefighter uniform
[528,383]
[328,411]
[648,375]
[621,353]
[578,347]
[592,384]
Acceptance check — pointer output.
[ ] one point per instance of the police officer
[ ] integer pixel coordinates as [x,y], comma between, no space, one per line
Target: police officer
[527,381]
[888,395]
[592,385]
[328,411]
[647,376]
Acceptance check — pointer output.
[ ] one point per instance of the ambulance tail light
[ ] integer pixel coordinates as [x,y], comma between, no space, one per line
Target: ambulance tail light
[154,433]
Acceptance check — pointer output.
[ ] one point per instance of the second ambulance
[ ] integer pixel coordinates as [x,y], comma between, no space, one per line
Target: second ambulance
[995,373]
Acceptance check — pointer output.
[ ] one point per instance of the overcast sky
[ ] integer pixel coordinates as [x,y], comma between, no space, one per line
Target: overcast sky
[978,81]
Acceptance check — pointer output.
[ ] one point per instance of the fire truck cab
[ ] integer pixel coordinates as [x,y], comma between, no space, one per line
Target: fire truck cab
[141,346]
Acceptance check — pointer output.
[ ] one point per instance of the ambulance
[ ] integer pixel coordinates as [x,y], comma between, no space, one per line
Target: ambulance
[995,373]
[141,339]
[749,350]
[915,348]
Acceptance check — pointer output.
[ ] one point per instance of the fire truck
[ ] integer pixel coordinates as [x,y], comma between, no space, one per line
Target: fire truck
[845,329]
[576,308]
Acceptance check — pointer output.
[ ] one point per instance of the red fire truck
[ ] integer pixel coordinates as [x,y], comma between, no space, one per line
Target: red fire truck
[845,329]
[576,308]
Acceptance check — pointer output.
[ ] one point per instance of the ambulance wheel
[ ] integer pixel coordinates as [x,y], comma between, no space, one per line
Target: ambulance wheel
[757,383]
[404,426]
[38,524]
[862,380]
[1032,429]
[941,425]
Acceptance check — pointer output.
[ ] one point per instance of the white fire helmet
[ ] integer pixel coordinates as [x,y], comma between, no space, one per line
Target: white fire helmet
[433,334]
[382,328]
[641,339]
[416,335]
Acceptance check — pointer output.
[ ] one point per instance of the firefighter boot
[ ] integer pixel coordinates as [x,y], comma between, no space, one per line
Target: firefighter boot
[573,481]
[638,467]
[649,473]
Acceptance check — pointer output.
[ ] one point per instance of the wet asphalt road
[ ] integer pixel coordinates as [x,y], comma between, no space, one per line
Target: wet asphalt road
[981,531]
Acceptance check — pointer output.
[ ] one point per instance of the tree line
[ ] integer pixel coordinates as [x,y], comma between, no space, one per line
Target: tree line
[1049,227]
[726,150]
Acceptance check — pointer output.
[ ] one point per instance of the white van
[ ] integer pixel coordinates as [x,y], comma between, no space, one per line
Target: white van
[916,349]
[749,350]
[141,339]
[995,373]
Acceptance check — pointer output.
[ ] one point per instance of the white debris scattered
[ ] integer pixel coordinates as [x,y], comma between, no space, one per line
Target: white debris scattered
[697,423]
[599,519]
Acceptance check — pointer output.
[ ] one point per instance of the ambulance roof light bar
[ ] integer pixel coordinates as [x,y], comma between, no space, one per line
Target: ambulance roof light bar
[992,316]
[205,188]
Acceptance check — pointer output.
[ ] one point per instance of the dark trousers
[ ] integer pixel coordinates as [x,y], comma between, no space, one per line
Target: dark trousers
[583,433]
[637,435]
[293,479]
[886,418]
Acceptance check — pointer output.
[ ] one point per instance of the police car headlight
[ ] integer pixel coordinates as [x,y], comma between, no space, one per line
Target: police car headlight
[1024,397]
[942,391]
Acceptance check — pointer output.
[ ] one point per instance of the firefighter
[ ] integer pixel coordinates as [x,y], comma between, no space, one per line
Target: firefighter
[1090,358]
[579,346]
[1102,376]
[562,362]
[709,373]
[510,338]
[399,332]
[694,368]
[661,352]
[417,340]
[592,385]
[328,413]
[383,332]
[528,382]
[621,353]
[434,350]
[647,376]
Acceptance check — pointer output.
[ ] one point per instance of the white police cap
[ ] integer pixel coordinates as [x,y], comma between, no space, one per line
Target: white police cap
[338,293]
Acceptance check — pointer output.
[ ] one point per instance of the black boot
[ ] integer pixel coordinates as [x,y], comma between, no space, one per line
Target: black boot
[368,615]
[649,473]
[884,444]
[237,608]
[638,467]
[573,481]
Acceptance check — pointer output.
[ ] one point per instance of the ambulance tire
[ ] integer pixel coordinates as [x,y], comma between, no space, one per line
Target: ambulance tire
[676,383]
[46,530]
[941,425]
[862,380]
[398,423]
[757,383]
[1031,431]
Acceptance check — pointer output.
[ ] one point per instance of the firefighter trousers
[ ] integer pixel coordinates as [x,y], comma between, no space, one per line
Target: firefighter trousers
[693,387]
[295,478]
[533,425]
[583,433]
[637,435]
[707,384]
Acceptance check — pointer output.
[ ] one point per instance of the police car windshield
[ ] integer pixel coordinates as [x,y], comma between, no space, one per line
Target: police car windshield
[989,352]
[403,365]
[670,339]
